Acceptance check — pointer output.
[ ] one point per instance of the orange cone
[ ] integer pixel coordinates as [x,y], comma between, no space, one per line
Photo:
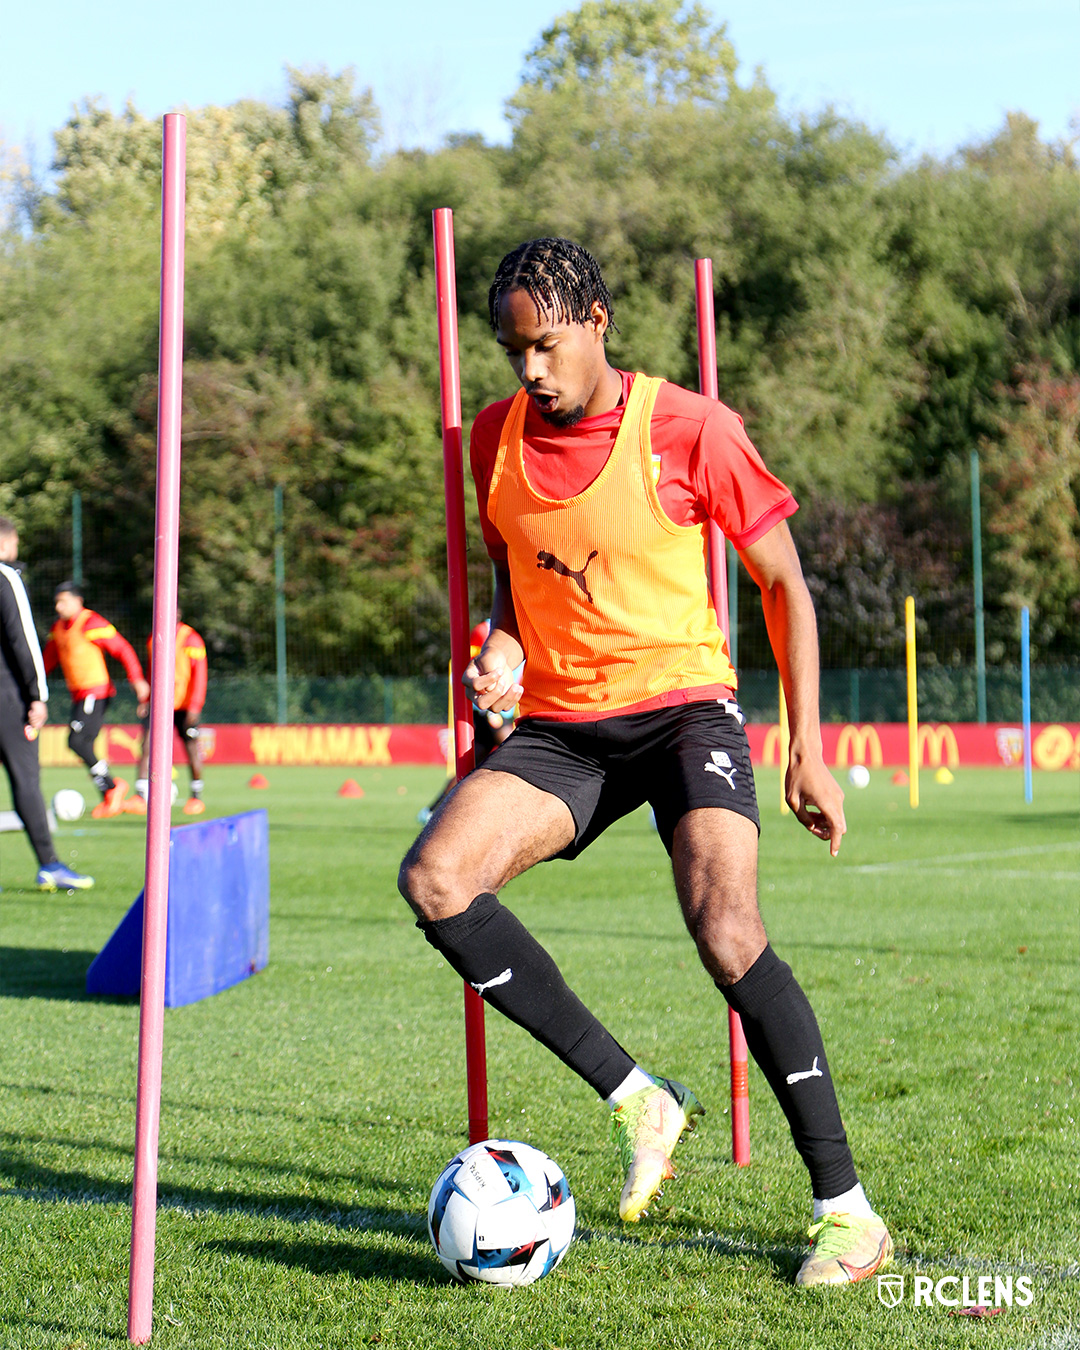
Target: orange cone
[258,781]
[350,788]
[899,778]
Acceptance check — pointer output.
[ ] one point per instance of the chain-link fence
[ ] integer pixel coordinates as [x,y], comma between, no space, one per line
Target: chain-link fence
[396,677]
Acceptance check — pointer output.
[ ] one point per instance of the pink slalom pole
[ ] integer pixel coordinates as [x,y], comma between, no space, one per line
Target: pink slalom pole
[454,480]
[707,383]
[163,675]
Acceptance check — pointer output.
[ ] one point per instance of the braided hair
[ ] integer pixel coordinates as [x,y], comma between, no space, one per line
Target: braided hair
[561,277]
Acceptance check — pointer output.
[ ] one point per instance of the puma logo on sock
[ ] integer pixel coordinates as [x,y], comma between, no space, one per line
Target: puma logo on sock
[504,978]
[813,1072]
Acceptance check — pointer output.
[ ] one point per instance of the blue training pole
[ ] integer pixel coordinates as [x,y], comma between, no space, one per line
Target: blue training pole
[1025,696]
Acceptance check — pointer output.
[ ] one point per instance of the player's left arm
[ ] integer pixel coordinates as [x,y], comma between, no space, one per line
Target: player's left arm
[109,640]
[196,653]
[490,676]
[811,791]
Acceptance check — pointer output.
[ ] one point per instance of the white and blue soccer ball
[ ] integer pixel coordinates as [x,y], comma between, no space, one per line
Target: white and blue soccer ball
[501,1213]
[68,804]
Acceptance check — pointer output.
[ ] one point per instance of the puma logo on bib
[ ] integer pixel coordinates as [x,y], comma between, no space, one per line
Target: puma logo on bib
[549,562]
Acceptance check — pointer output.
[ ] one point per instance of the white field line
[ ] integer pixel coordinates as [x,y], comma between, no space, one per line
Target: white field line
[1013,873]
[948,862]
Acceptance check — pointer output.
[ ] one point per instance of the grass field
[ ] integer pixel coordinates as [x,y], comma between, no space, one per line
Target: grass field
[307,1111]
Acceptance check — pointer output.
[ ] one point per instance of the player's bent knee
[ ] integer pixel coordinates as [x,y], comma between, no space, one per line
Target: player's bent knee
[428,880]
[728,942]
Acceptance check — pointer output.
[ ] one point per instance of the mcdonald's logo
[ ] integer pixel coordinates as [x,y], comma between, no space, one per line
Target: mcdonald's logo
[935,741]
[770,751]
[854,743]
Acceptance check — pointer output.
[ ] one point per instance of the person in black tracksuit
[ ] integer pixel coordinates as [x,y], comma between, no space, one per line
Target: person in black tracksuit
[23,695]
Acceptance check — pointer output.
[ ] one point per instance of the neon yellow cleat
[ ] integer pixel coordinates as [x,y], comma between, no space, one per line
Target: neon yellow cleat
[645,1128]
[845,1249]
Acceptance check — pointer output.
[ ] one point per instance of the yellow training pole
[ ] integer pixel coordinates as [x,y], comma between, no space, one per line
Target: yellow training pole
[785,743]
[912,703]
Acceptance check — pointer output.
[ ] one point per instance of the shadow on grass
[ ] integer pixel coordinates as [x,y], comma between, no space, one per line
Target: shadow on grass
[374,1260]
[22,1326]
[39,1184]
[371,1262]
[16,1166]
[1063,819]
[44,972]
[785,1259]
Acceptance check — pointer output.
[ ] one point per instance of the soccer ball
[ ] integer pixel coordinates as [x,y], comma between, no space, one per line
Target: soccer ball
[68,804]
[859,776]
[501,1213]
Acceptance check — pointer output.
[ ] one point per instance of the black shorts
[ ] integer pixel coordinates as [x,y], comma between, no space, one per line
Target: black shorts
[185,732]
[677,759]
[87,716]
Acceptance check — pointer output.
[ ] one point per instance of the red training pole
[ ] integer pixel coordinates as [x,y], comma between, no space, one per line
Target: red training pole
[163,676]
[454,479]
[706,329]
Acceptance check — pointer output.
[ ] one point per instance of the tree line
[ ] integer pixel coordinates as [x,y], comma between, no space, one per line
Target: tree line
[877,321]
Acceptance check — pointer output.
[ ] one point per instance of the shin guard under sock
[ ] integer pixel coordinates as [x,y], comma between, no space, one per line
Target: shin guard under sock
[783,1036]
[492,950]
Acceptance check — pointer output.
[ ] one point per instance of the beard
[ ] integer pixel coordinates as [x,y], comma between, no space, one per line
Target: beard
[570,418]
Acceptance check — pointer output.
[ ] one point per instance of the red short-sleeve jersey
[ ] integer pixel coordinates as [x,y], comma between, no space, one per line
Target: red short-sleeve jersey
[707,465]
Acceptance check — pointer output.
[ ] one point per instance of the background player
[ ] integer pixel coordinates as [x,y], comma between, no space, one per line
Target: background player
[595,487]
[23,712]
[78,641]
[188,700]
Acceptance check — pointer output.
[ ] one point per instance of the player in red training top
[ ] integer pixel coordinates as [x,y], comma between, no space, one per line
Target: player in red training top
[78,641]
[188,699]
[595,489]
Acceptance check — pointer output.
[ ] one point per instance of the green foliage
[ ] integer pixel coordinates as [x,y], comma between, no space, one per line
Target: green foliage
[875,321]
[1033,469]
[662,51]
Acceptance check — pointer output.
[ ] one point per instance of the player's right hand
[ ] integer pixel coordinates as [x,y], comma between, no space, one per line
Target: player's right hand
[489,678]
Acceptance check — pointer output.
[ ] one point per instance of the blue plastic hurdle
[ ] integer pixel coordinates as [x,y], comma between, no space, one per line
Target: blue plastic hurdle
[219,914]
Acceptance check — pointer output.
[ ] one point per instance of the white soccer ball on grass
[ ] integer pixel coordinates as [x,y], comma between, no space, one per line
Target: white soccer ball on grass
[859,776]
[501,1213]
[68,804]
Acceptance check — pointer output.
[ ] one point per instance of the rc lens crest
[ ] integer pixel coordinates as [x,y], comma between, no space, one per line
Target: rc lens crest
[890,1289]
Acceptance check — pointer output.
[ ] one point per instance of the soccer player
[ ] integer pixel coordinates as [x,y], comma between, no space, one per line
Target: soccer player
[23,712]
[595,488]
[78,641]
[189,697]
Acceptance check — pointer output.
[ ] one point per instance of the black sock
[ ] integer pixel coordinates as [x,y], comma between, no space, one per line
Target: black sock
[783,1036]
[493,951]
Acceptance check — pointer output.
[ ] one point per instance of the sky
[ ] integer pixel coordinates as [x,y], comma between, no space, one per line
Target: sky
[930,74]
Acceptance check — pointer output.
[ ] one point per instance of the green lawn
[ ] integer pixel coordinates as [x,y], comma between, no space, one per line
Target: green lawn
[307,1111]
